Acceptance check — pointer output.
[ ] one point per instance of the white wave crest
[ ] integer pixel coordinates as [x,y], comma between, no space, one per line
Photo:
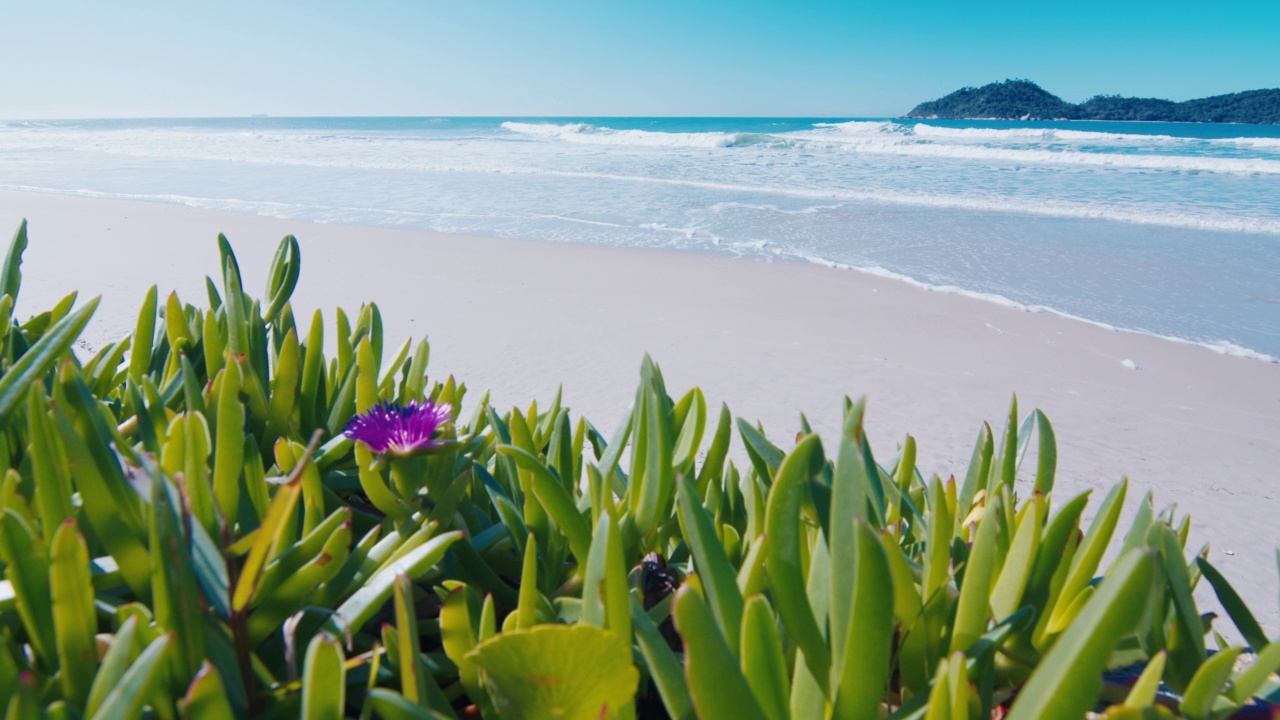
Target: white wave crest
[1094,136]
[1257,142]
[1020,135]
[863,127]
[593,135]
[935,131]
[939,133]
[911,146]
[1042,135]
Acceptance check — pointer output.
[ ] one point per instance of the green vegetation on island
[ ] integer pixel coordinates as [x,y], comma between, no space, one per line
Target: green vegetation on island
[234,512]
[1025,100]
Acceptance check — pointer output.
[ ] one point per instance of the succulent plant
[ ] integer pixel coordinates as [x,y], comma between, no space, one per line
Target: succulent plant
[187,532]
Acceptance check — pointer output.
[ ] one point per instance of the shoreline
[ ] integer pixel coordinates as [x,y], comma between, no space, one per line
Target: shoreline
[1220,346]
[519,317]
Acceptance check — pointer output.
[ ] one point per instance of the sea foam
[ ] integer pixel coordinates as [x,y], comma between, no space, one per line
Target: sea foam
[922,140]
[592,135]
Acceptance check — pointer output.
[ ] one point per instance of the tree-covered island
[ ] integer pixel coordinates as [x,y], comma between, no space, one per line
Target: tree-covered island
[1025,100]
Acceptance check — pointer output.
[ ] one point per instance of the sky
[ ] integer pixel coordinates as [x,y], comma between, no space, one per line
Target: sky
[81,59]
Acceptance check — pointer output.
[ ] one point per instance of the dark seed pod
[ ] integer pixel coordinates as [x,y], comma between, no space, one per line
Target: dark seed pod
[657,583]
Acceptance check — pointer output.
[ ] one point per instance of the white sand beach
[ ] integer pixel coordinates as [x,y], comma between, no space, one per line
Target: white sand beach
[520,317]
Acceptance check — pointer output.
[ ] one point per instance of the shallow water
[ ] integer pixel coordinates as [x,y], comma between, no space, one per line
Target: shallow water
[1166,228]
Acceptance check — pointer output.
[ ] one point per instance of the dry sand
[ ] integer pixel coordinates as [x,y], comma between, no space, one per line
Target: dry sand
[519,317]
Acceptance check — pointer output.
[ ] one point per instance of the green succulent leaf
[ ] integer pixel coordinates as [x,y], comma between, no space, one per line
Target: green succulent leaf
[1066,683]
[40,358]
[783,526]
[324,680]
[134,691]
[719,581]
[718,688]
[74,618]
[575,672]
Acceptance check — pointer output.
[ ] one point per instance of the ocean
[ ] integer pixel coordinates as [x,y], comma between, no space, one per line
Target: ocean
[1163,228]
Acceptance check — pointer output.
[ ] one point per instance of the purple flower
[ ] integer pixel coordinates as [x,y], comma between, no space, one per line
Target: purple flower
[399,429]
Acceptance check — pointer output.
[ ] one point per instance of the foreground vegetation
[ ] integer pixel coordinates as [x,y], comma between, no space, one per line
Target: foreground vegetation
[1025,100]
[187,532]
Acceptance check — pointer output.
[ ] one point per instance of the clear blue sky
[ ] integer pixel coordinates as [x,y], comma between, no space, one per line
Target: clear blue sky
[60,58]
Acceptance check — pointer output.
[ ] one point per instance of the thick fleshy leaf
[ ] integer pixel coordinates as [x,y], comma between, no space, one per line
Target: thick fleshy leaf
[782,523]
[554,671]
[324,680]
[1235,607]
[1094,544]
[557,671]
[718,688]
[75,620]
[229,444]
[282,278]
[48,465]
[377,589]
[848,502]
[40,358]
[28,574]
[11,272]
[1066,682]
[134,690]
[864,669]
[206,698]
[763,662]
[557,501]
[1207,684]
[143,336]
[391,706]
[1143,692]
[973,609]
[663,666]
[265,543]
[719,581]
[1006,594]
[114,664]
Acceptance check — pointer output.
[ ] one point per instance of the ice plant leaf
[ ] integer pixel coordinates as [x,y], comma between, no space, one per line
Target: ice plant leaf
[115,661]
[663,666]
[400,429]
[282,278]
[1207,684]
[377,589]
[782,524]
[1235,607]
[1143,693]
[556,671]
[1067,681]
[763,662]
[36,362]
[74,619]
[719,582]
[324,679]
[864,670]
[1251,680]
[28,575]
[143,335]
[128,697]
[718,688]
[11,273]
[973,609]
[206,698]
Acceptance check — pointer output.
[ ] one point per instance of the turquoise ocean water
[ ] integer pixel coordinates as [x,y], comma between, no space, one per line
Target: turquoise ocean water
[1169,229]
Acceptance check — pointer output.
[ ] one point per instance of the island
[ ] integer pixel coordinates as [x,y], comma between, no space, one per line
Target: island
[1025,100]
